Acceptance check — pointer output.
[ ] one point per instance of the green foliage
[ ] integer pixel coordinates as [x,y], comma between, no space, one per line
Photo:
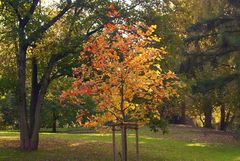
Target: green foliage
[212,60]
[8,112]
[67,115]
[159,124]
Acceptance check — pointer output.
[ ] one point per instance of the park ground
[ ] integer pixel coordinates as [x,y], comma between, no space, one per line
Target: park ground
[183,143]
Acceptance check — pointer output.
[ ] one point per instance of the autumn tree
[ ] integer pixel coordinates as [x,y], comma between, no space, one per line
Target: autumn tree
[123,74]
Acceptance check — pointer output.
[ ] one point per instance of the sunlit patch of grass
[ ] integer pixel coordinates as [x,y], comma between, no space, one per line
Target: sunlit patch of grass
[9,137]
[196,144]
[8,133]
[151,138]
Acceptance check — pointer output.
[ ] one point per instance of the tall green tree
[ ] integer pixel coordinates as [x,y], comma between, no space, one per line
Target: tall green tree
[213,48]
[27,21]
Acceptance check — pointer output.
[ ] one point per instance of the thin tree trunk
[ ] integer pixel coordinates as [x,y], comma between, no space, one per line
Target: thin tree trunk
[207,107]
[54,121]
[123,128]
[223,117]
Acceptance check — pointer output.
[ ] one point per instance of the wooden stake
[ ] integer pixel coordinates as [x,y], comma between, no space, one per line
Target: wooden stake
[137,146]
[124,143]
[114,143]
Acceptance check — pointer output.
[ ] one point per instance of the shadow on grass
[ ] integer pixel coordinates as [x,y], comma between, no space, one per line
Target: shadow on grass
[78,130]
[57,150]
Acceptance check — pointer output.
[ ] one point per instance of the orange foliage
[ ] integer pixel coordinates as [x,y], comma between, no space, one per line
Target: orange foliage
[112,12]
[123,74]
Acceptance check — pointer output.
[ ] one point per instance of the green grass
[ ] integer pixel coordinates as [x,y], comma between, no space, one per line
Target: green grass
[179,145]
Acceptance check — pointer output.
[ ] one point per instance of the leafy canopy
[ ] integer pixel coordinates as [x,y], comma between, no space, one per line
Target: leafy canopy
[123,74]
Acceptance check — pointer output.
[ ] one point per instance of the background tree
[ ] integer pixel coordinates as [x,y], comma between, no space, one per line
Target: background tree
[214,49]
[55,115]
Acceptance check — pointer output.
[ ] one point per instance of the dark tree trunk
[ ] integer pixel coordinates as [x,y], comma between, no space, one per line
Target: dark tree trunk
[223,124]
[29,136]
[35,133]
[54,121]
[43,85]
[208,117]
[22,110]
[207,107]
[34,94]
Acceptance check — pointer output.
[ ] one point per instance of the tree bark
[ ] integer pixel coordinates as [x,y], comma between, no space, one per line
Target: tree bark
[34,94]
[207,109]
[54,121]
[29,137]
[22,110]
[42,91]
[223,124]
[208,117]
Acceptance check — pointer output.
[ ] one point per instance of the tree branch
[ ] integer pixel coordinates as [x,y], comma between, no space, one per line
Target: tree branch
[89,33]
[42,29]
[15,10]
[29,14]
[207,85]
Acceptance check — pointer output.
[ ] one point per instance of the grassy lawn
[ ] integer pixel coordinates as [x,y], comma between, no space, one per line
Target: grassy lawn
[181,144]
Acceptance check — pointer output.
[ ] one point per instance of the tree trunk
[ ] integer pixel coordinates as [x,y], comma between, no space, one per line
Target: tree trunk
[208,117]
[22,110]
[28,139]
[34,94]
[54,121]
[35,133]
[207,109]
[29,136]
[223,124]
